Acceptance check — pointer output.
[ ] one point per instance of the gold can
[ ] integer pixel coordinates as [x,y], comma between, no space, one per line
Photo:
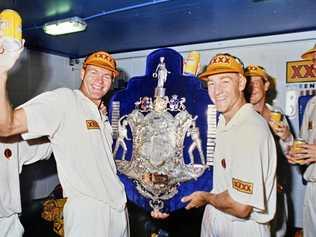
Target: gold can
[296,147]
[191,63]
[11,29]
[276,116]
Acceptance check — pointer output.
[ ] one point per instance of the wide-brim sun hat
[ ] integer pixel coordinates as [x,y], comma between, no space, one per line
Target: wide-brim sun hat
[256,70]
[222,63]
[308,55]
[101,59]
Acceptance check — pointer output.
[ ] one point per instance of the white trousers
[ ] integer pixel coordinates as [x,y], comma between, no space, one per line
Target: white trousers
[87,217]
[217,224]
[309,212]
[11,226]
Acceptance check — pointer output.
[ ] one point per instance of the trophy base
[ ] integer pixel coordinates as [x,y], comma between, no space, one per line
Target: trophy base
[160,92]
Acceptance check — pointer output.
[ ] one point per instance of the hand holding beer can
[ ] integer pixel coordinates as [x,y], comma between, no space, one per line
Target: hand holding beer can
[10,30]
[296,148]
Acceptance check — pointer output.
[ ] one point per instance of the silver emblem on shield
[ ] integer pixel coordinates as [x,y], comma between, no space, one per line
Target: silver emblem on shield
[157,163]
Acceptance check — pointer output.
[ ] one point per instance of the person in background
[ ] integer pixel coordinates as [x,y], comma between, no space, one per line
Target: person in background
[307,156]
[260,84]
[243,199]
[14,154]
[80,137]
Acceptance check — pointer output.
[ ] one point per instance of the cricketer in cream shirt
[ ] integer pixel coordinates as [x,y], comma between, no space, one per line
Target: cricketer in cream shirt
[14,154]
[245,166]
[308,133]
[81,141]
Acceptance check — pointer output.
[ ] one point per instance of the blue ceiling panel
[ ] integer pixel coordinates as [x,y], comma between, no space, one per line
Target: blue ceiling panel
[127,25]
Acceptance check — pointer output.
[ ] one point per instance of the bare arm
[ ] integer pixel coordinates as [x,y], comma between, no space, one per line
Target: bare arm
[11,121]
[221,201]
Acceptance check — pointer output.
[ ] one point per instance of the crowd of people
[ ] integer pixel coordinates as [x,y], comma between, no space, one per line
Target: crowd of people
[249,195]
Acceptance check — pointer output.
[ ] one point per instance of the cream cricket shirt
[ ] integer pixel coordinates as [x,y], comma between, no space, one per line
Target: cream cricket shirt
[308,133]
[245,162]
[81,141]
[13,156]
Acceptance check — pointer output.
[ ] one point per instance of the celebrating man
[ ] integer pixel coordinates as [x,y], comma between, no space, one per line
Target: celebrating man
[81,140]
[243,198]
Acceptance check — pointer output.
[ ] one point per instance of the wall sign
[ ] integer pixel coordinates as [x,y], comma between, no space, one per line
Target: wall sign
[300,71]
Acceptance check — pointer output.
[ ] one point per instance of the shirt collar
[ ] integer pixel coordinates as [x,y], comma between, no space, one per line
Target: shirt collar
[85,98]
[242,114]
[92,105]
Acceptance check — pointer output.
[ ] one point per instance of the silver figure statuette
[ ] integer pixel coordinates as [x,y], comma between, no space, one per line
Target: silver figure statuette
[161,74]
[157,165]
[122,134]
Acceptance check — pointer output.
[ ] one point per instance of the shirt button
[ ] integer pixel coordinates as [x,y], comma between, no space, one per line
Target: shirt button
[223,163]
[7,153]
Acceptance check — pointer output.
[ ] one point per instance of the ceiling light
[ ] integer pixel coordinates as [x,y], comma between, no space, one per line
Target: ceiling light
[65,26]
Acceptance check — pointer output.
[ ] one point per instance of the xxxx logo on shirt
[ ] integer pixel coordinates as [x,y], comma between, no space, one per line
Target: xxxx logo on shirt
[92,124]
[242,186]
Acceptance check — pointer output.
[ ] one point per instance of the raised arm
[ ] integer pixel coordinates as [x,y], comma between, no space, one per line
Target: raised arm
[11,121]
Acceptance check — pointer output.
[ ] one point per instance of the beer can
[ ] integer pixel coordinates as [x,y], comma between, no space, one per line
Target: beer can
[11,29]
[297,148]
[276,116]
[191,63]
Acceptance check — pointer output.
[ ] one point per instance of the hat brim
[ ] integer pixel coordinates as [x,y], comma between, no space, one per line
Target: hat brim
[219,70]
[257,74]
[105,66]
[308,55]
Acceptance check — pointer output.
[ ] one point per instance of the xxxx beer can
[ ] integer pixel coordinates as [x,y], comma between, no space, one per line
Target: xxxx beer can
[276,116]
[297,148]
[11,29]
[296,144]
[191,63]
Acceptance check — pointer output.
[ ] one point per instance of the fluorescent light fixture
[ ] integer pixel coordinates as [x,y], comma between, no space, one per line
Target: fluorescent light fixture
[65,26]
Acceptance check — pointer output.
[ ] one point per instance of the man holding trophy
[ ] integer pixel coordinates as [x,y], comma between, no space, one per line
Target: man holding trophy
[243,199]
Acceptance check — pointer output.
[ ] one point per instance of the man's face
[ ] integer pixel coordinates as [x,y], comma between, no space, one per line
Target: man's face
[225,91]
[257,88]
[96,82]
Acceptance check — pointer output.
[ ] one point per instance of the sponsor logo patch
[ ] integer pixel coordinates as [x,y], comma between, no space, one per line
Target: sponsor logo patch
[242,186]
[92,124]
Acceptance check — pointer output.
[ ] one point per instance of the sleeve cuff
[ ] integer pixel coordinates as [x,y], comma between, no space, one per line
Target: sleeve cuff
[30,121]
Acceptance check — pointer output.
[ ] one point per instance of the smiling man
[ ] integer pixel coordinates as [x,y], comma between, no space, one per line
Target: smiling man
[81,140]
[243,198]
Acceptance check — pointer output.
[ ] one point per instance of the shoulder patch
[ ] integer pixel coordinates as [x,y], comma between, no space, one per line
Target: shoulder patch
[242,186]
[92,124]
